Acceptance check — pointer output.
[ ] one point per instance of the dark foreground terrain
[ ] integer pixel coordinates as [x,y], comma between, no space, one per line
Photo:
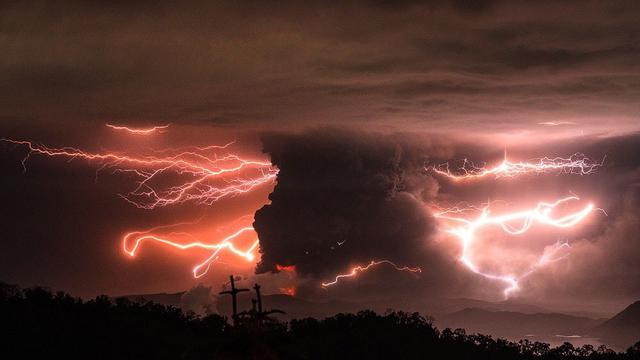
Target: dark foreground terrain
[38,323]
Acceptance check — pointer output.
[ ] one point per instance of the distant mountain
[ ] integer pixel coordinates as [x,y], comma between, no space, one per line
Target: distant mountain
[516,325]
[446,306]
[624,328]
[507,319]
[299,308]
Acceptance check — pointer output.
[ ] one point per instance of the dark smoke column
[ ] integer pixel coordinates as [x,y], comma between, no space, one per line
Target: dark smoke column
[344,198]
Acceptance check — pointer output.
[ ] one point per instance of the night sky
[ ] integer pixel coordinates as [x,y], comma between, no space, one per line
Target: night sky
[351,103]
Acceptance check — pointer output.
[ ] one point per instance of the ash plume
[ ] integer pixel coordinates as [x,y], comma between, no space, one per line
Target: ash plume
[345,198]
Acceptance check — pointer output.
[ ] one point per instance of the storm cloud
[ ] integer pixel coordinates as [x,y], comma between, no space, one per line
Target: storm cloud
[604,261]
[494,66]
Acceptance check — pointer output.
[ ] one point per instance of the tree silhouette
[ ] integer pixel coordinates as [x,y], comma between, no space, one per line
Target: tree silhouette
[40,324]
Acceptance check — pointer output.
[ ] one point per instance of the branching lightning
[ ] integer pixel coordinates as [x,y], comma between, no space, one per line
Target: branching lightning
[138,131]
[174,176]
[542,214]
[137,238]
[201,177]
[575,164]
[358,269]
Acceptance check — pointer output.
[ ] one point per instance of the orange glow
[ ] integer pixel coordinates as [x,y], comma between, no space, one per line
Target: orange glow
[202,177]
[541,214]
[358,269]
[289,268]
[575,164]
[202,268]
[138,131]
[291,291]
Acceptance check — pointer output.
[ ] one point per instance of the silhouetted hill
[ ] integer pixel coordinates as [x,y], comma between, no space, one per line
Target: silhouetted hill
[168,299]
[515,325]
[509,319]
[294,307]
[447,306]
[624,328]
[40,324]
[299,307]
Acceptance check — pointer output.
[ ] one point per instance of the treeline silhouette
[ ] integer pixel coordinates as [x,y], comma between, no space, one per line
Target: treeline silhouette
[40,324]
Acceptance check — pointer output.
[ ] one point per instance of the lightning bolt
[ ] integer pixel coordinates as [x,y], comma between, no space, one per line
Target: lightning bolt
[137,238]
[541,214]
[575,164]
[556,123]
[138,131]
[358,269]
[203,178]
[199,177]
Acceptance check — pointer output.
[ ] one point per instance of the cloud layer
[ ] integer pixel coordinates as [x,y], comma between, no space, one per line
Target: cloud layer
[502,66]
